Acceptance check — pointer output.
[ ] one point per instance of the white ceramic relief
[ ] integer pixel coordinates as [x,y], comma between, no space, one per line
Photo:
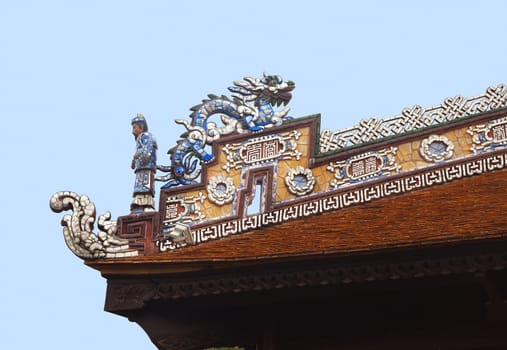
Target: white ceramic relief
[220,189]
[436,148]
[300,181]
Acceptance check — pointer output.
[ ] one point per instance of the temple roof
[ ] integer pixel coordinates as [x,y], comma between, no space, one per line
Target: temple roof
[285,191]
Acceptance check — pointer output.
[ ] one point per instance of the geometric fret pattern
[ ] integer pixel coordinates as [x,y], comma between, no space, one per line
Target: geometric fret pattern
[413,118]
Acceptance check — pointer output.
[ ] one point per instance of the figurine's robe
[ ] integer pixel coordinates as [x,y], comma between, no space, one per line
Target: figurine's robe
[145,164]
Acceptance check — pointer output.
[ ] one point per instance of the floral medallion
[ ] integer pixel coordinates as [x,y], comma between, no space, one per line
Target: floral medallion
[436,148]
[300,181]
[221,189]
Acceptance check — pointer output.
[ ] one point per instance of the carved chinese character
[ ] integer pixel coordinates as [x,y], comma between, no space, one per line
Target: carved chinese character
[358,168]
[371,165]
[499,132]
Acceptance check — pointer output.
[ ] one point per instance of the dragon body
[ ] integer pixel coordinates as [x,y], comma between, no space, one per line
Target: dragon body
[251,109]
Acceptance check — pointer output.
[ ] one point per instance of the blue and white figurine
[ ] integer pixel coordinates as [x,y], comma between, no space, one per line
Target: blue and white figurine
[144,164]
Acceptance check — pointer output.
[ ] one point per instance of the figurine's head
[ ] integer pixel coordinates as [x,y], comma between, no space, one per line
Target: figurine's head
[139,124]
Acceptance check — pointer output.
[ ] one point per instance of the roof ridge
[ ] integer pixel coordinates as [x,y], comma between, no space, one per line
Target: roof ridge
[411,119]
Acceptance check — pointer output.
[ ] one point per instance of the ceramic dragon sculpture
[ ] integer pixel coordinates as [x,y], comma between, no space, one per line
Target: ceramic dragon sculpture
[251,109]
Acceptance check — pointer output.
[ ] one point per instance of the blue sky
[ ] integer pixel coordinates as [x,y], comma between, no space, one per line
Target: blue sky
[73,74]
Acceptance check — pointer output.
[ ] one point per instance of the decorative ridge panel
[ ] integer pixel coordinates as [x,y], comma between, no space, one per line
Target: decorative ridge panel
[244,164]
[412,119]
[335,200]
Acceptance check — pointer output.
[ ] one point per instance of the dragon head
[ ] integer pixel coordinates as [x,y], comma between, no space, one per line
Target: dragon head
[271,88]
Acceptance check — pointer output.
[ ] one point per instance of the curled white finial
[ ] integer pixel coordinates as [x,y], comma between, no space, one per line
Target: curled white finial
[78,228]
